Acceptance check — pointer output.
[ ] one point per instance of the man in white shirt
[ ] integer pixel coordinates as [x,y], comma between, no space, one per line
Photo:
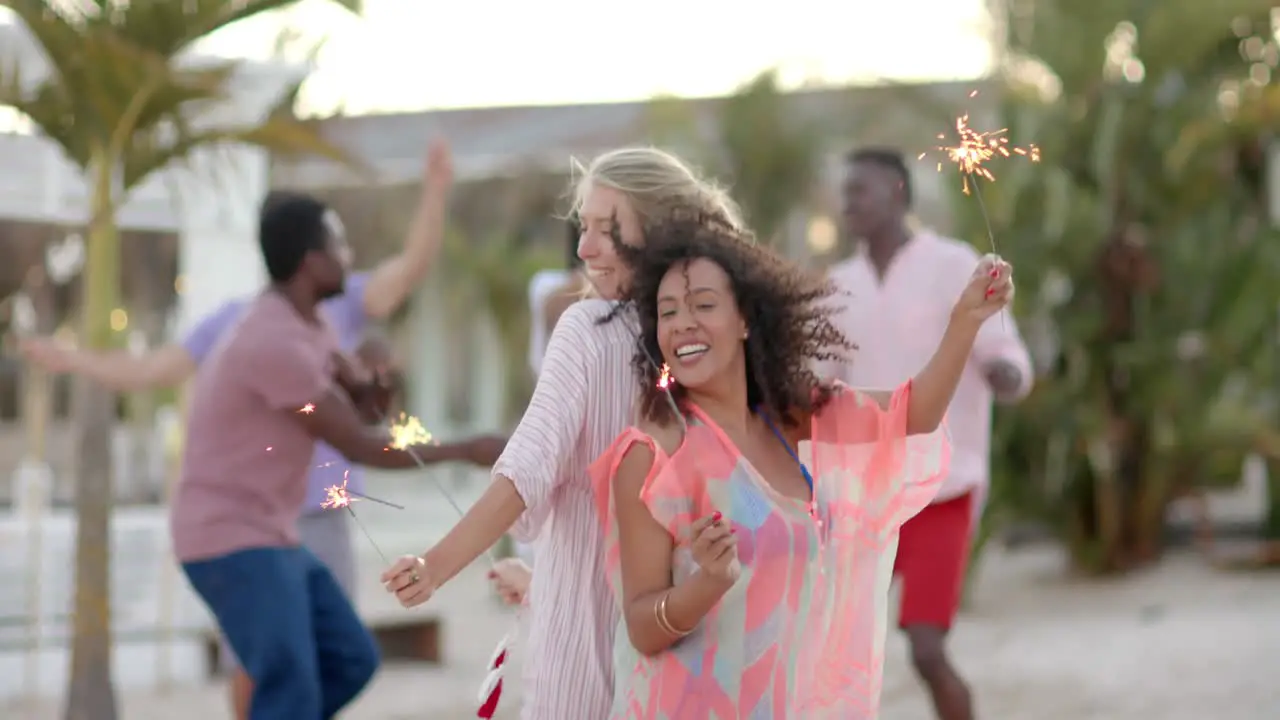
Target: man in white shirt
[899,287]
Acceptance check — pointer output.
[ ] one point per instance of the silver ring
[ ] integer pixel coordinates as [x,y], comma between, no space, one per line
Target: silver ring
[413,579]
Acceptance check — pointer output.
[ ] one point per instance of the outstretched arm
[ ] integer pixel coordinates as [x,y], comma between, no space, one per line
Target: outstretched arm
[529,470]
[294,376]
[124,371]
[118,370]
[395,278]
[332,418]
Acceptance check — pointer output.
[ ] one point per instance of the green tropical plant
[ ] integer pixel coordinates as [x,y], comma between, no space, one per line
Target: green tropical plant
[495,274]
[1146,261]
[770,154]
[121,107]
[767,153]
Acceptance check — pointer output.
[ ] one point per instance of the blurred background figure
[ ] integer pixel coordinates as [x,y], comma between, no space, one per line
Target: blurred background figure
[551,292]
[898,288]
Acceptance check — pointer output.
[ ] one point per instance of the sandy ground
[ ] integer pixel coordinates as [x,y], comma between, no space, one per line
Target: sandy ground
[1179,642]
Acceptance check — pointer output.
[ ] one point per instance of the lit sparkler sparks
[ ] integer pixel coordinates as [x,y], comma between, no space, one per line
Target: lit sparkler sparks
[408,431]
[337,496]
[664,377]
[341,496]
[664,384]
[307,409]
[972,149]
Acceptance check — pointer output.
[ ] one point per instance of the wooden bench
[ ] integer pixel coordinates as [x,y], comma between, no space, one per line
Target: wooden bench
[415,639]
[410,638]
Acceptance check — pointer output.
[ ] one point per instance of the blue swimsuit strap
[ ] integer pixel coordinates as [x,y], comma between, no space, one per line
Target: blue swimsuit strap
[808,479]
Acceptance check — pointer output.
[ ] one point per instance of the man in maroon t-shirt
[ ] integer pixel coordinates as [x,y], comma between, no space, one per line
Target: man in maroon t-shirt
[244,476]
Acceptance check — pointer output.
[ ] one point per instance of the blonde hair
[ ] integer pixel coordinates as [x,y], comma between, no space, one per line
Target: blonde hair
[655,182]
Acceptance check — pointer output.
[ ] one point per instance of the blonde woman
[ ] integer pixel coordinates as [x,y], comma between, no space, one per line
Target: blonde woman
[584,398]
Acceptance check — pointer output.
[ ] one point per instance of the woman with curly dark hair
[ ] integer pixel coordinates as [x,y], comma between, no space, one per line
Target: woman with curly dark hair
[753,511]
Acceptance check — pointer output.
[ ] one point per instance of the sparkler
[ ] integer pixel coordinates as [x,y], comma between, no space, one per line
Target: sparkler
[340,496]
[971,151]
[664,377]
[405,434]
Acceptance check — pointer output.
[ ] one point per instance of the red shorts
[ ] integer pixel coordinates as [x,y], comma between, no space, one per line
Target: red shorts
[933,552]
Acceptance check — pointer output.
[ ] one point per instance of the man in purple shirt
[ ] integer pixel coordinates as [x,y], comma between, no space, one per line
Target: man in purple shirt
[366,296]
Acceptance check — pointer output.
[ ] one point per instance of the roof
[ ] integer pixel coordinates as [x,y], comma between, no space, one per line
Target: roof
[502,140]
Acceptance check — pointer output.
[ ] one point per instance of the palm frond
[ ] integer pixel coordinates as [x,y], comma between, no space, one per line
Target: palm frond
[164,145]
[168,27]
[47,105]
[53,31]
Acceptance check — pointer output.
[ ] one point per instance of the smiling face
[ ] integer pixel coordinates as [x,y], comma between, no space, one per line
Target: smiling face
[700,330]
[603,210]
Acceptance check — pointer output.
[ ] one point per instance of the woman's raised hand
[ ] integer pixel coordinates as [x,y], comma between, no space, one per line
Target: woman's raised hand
[988,292]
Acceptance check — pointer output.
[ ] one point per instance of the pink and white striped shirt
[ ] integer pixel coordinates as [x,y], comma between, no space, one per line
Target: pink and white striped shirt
[584,398]
[897,322]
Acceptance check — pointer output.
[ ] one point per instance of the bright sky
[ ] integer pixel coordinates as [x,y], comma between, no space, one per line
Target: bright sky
[420,54]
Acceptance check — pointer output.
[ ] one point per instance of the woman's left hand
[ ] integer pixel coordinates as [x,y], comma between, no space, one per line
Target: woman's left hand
[510,578]
[409,579]
[988,292]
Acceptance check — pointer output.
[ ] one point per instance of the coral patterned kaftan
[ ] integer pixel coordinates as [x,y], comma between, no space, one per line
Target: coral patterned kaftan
[801,634]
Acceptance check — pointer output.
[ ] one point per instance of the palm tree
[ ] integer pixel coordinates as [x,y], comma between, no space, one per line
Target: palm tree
[121,107]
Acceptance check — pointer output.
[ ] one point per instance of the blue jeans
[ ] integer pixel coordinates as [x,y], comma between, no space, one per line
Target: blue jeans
[292,628]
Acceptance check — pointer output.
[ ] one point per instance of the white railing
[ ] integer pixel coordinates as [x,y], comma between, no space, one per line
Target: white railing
[158,622]
[161,629]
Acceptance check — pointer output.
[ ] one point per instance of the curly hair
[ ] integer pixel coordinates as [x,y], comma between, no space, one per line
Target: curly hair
[790,326]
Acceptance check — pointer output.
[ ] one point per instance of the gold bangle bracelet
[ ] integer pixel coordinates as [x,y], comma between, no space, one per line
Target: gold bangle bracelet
[665,622]
[658,618]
